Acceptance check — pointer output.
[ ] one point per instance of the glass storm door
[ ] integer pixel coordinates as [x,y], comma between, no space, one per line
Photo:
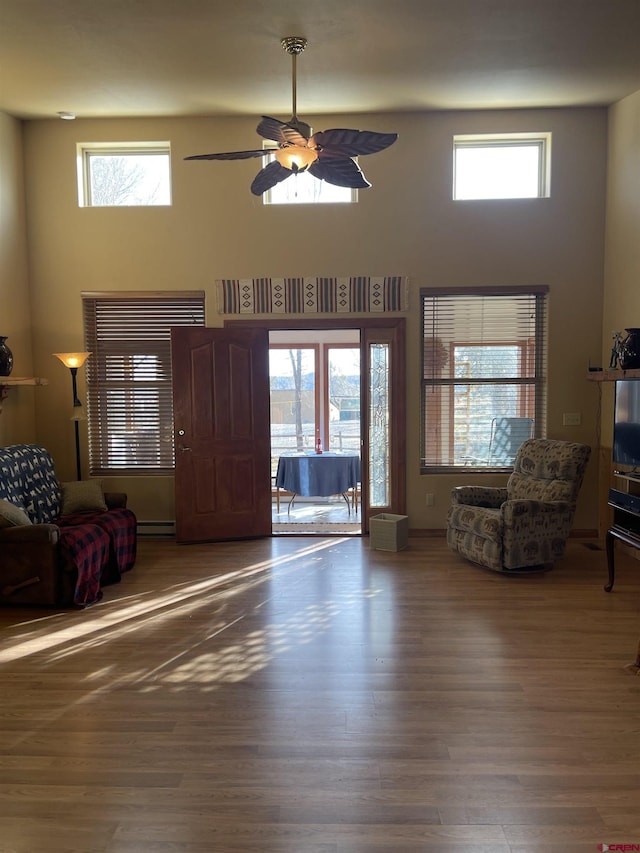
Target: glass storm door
[384,447]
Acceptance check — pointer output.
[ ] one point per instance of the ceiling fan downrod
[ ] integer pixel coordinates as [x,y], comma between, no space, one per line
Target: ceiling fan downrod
[294,45]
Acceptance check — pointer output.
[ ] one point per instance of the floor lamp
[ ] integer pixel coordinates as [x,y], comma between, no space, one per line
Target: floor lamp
[74,360]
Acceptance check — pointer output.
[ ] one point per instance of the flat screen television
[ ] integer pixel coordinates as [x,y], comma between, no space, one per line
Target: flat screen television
[626,424]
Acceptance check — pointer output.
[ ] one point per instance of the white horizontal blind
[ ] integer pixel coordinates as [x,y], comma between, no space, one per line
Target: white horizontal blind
[129,387]
[483,369]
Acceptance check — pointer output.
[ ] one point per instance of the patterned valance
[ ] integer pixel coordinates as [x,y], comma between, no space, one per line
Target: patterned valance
[308,295]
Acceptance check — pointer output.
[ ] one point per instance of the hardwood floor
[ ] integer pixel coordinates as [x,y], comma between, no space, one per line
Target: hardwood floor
[296,695]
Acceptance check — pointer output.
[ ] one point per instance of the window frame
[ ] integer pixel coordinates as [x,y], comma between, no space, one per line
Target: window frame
[314,350]
[532,378]
[86,150]
[332,442]
[144,321]
[507,140]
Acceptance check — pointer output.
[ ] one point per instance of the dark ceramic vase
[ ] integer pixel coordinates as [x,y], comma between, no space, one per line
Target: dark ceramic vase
[630,350]
[6,357]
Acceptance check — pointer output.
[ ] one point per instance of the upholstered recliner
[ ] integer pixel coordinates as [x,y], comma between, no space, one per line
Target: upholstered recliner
[526,524]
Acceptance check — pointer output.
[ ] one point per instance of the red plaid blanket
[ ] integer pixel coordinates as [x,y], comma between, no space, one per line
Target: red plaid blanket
[118,528]
[87,546]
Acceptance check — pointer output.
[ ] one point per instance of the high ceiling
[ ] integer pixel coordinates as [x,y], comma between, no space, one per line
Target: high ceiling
[223,57]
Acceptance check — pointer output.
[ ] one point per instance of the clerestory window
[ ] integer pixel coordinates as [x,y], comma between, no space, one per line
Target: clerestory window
[124,174]
[501,166]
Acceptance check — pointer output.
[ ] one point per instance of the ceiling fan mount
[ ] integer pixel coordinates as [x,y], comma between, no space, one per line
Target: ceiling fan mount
[294,45]
[328,155]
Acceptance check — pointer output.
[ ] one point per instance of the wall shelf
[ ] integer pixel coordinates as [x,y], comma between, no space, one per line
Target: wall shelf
[8,382]
[612,375]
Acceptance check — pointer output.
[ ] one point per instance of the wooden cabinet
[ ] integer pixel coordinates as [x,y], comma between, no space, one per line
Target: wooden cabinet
[625,502]
[624,498]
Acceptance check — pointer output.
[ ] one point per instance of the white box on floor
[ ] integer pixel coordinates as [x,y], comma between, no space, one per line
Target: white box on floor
[388,532]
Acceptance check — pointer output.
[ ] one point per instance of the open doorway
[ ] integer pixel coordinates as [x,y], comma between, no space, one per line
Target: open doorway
[382,407]
[315,401]
[221,407]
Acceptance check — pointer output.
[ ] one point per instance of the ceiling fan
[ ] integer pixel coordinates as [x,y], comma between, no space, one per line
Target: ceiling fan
[327,155]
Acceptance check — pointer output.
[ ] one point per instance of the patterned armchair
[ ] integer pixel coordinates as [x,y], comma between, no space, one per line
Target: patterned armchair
[526,524]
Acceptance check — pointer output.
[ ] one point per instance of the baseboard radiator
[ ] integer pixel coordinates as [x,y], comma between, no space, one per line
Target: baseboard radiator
[157,529]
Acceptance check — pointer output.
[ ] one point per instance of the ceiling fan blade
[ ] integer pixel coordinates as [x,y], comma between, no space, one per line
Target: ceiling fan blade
[231,155]
[342,142]
[280,131]
[342,173]
[268,177]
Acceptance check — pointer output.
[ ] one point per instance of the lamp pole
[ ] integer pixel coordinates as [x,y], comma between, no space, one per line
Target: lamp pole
[74,360]
[76,404]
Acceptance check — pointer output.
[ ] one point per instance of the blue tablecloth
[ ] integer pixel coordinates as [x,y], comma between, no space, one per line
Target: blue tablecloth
[318,474]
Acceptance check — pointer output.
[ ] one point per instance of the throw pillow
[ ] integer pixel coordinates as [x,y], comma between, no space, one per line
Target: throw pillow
[82,496]
[12,515]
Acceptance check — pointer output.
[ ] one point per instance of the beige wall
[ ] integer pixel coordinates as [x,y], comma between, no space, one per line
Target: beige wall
[622,269]
[622,256]
[406,224]
[17,421]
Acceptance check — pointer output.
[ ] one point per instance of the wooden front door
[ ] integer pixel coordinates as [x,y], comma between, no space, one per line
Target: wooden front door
[222,434]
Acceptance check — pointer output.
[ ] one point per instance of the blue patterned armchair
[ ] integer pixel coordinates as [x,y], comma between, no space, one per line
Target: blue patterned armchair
[526,524]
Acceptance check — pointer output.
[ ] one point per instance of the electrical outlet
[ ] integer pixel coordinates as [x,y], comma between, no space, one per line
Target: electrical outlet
[571,419]
[430,499]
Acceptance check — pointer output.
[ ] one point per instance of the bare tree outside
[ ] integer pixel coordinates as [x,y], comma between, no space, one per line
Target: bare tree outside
[296,370]
[342,386]
[121,180]
[292,384]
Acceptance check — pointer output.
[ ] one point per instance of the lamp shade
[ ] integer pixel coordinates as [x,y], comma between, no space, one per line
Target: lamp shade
[297,158]
[72,359]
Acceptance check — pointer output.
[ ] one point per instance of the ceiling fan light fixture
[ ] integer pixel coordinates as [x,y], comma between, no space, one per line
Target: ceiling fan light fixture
[296,158]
